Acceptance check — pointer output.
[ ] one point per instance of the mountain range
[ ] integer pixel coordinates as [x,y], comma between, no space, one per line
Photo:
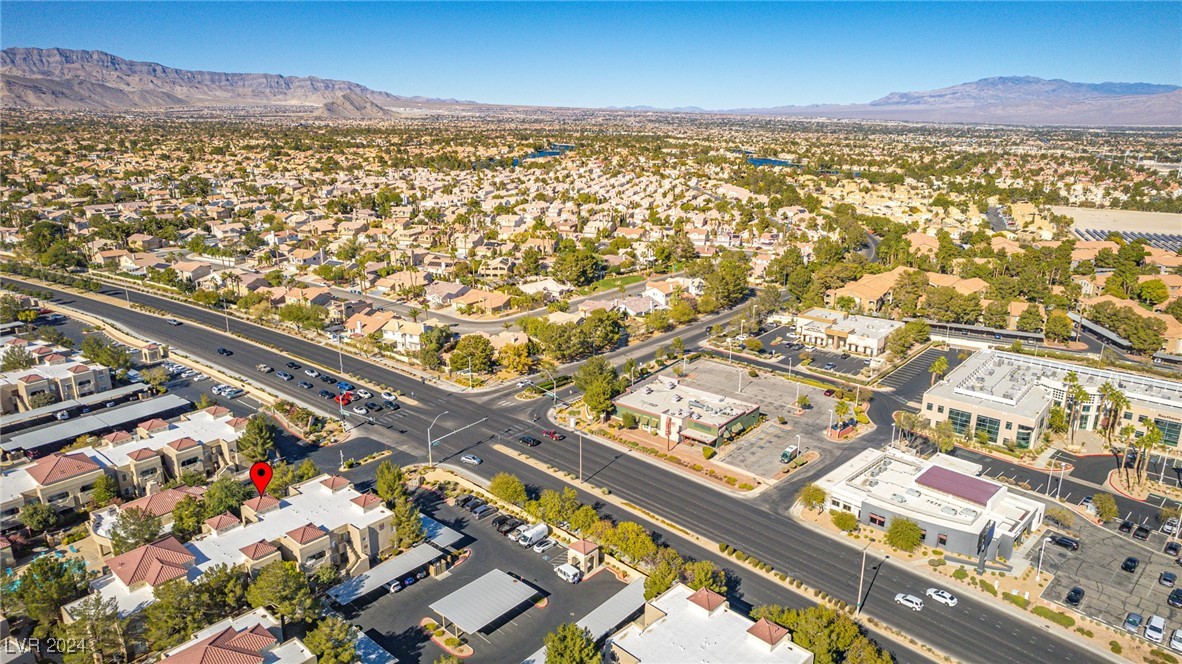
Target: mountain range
[56,78]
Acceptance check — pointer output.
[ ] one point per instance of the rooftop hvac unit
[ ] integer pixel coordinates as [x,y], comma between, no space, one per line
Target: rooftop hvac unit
[898,498]
[872,483]
[912,492]
[648,390]
[886,462]
[676,398]
[949,510]
[965,511]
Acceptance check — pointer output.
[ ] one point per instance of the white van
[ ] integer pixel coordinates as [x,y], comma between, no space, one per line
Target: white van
[534,534]
[569,573]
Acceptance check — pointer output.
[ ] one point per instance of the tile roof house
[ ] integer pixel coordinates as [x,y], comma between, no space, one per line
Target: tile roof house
[251,638]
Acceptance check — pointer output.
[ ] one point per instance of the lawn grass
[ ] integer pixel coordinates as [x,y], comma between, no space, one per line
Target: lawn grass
[611,283]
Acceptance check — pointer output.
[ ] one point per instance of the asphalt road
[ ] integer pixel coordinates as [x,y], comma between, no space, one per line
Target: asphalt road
[972,631]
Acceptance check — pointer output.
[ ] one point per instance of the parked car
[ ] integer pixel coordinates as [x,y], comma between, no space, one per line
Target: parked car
[499,521]
[529,441]
[910,601]
[1172,548]
[508,525]
[545,545]
[1175,598]
[389,396]
[553,435]
[485,512]
[345,385]
[1075,596]
[1126,527]
[471,460]
[1176,641]
[464,500]
[305,384]
[263,368]
[1130,564]
[1170,526]
[365,394]
[360,410]
[569,573]
[325,378]
[1066,542]
[829,393]
[1167,579]
[391,405]
[1155,629]
[325,394]
[1141,533]
[830,366]
[1133,622]
[941,596]
[474,504]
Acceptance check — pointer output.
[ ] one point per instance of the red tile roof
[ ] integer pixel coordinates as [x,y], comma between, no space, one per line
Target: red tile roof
[153,424]
[707,599]
[31,378]
[183,443]
[58,467]
[118,437]
[223,520]
[229,646]
[307,533]
[238,423]
[335,482]
[768,632]
[262,503]
[216,411]
[163,560]
[584,546]
[367,500]
[77,368]
[142,454]
[159,504]
[259,550]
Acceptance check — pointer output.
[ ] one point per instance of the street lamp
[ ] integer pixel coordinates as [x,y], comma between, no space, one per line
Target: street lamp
[1038,576]
[430,442]
[553,385]
[225,312]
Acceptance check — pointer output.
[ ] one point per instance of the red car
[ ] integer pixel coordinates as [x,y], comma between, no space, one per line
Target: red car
[344,398]
[553,435]
[828,393]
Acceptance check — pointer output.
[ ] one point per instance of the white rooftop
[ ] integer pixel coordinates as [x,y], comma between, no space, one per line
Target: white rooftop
[15,482]
[312,503]
[200,426]
[664,396]
[688,634]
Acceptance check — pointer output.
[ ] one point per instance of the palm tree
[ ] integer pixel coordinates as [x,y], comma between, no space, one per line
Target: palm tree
[938,368]
[414,313]
[1152,440]
[1126,436]
[1117,404]
[841,409]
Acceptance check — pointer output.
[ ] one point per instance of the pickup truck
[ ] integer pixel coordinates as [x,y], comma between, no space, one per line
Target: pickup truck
[263,368]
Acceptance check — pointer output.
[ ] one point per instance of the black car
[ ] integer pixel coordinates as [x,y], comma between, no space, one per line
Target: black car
[529,441]
[325,394]
[293,366]
[1172,548]
[225,351]
[474,504]
[325,378]
[1167,579]
[508,525]
[391,405]
[1075,596]
[1175,598]
[1130,564]
[1141,533]
[1126,527]
[496,523]
[1065,542]
[463,500]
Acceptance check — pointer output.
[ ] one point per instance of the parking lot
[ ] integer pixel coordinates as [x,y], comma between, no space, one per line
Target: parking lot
[393,619]
[852,365]
[1111,593]
[911,380]
[758,452]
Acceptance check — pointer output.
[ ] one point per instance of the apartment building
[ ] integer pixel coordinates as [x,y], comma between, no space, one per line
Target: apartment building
[1009,397]
[58,371]
[683,625]
[158,504]
[251,638]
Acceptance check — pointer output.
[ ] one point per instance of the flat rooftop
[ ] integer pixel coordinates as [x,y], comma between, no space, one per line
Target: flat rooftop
[663,396]
[109,419]
[484,601]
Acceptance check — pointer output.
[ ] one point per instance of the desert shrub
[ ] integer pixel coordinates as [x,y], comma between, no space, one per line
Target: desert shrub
[1057,617]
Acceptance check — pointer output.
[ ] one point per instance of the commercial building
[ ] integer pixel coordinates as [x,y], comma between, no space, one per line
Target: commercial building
[678,413]
[683,625]
[1009,396]
[843,332]
[956,510]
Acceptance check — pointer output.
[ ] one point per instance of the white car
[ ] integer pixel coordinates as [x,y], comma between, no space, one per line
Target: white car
[1176,640]
[1170,525]
[389,396]
[1155,629]
[173,322]
[545,545]
[471,460]
[522,383]
[189,374]
[364,394]
[200,377]
[941,596]
[61,415]
[360,410]
[910,601]
[311,373]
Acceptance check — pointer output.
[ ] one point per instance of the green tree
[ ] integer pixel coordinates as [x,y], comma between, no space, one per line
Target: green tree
[584,519]
[284,588]
[577,268]
[134,528]
[42,399]
[332,641]
[226,494]
[570,644]
[996,315]
[845,521]
[98,631]
[516,358]
[258,440]
[1058,326]
[704,574]
[665,572]
[389,483]
[508,488]
[938,368]
[106,489]
[812,496]
[408,526]
[593,370]
[38,517]
[904,534]
[187,518]
[1153,292]
[16,358]
[1105,504]
[1030,320]
[303,316]
[632,541]
[46,585]
[475,349]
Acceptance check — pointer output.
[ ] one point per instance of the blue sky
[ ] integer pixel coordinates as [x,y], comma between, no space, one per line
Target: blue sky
[711,55]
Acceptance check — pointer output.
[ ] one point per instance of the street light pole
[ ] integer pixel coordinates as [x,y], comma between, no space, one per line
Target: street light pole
[225,312]
[553,386]
[1062,476]
[430,442]
[1038,576]
[580,457]
[861,578]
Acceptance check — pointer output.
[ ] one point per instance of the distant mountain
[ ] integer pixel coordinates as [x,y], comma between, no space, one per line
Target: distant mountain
[69,79]
[1013,100]
[350,106]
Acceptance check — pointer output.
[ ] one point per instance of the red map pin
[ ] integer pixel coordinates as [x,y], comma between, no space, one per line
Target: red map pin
[260,474]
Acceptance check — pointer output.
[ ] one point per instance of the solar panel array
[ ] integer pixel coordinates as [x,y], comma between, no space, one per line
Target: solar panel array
[1165,241]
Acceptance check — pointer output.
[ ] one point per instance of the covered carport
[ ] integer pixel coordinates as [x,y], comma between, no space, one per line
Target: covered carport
[483,602]
[384,572]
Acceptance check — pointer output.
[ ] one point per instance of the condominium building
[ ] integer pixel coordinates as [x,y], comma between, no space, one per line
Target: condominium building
[251,638]
[57,371]
[956,510]
[1009,396]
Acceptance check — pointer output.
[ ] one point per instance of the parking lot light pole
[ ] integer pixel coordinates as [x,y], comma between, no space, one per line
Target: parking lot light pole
[430,442]
[1062,476]
[1038,576]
